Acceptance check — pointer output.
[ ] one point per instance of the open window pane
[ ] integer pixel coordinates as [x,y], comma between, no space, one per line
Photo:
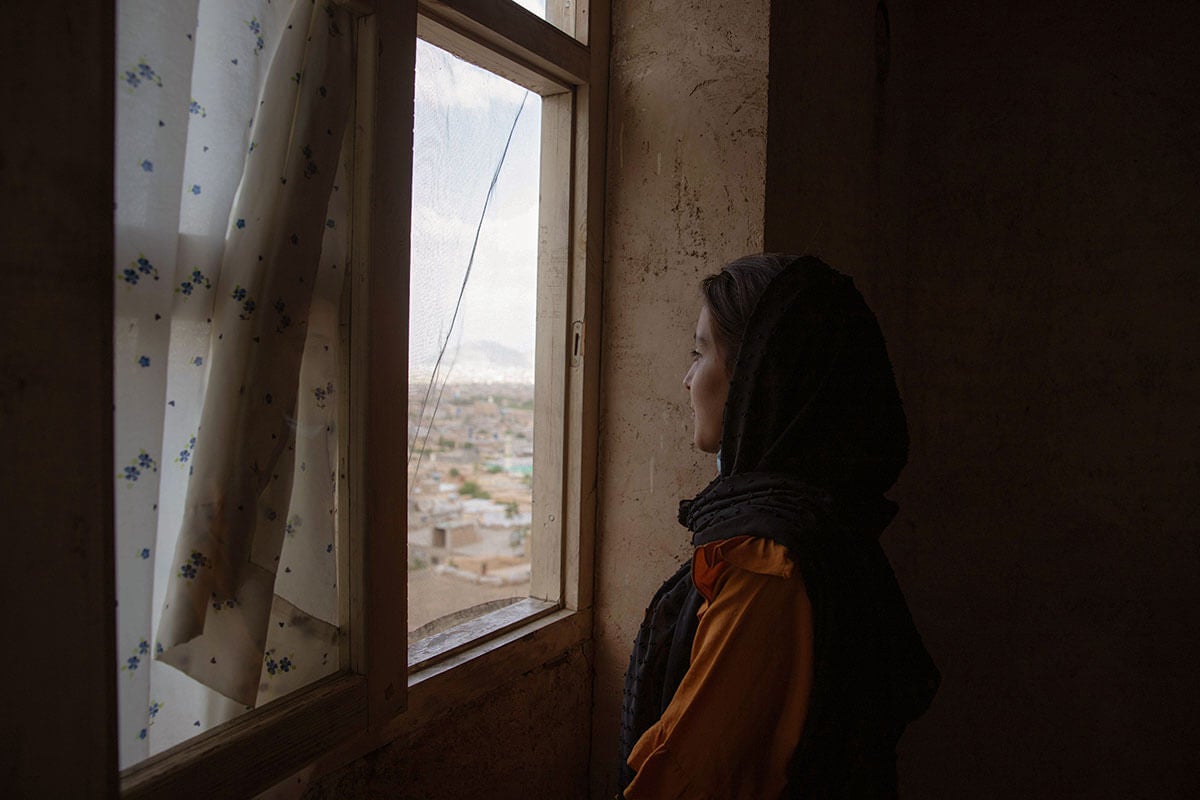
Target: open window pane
[472,341]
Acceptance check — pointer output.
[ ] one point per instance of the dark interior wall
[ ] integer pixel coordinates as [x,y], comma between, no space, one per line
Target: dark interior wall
[528,738]
[58,681]
[1016,188]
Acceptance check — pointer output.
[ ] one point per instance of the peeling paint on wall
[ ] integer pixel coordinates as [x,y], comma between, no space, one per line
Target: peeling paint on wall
[685,195]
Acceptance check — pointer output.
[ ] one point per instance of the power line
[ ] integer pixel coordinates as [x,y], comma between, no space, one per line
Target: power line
[457,305]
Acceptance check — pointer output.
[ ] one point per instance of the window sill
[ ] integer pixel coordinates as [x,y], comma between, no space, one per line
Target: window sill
[475,632]
[484,666]
[247,752]
[457,679]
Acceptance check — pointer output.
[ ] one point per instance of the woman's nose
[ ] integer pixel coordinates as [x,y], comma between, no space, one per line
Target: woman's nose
[687,377]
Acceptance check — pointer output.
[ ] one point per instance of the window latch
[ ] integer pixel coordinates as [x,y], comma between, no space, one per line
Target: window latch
[577,348]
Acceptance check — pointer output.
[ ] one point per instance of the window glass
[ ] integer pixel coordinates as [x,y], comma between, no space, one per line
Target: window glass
[231,241]
[537,6]
[472,327]
[559,13]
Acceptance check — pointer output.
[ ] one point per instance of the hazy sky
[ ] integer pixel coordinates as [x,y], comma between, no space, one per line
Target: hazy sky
[463,115]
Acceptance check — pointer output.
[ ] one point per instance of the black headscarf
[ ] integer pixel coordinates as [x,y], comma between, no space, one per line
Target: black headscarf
[813,435]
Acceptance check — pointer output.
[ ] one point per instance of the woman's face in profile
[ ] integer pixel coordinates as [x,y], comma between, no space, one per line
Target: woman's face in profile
[707,381]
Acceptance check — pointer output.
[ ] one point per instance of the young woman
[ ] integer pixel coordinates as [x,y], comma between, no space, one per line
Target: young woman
[781,661]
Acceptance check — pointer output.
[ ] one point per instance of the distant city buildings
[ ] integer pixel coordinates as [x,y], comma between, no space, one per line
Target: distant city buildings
[469,499]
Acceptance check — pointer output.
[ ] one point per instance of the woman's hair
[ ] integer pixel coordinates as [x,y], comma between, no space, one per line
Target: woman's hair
[732,294]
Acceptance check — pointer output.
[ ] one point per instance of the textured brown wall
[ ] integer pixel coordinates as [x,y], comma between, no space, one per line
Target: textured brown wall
[1016,188]
[58,681]
[687,125]
[526,739]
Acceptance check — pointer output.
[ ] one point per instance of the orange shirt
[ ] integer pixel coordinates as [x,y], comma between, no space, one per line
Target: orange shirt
[736,718]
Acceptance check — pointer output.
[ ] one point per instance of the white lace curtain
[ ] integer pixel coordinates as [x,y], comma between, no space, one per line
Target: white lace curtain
[231,198]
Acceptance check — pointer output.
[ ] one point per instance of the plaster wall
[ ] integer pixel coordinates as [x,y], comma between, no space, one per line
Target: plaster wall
[686,158]
[1015,188]
[528,738]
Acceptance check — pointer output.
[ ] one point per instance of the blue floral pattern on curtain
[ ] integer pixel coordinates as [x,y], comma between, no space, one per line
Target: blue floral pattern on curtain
[231,197]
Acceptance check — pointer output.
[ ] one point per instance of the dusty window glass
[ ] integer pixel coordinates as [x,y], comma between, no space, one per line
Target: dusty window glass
[477,140]
[231,241]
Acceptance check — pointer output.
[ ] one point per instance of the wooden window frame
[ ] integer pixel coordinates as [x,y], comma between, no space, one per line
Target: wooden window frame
[376,698]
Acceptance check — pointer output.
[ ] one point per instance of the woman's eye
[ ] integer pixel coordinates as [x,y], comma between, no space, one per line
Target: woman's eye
[695,354]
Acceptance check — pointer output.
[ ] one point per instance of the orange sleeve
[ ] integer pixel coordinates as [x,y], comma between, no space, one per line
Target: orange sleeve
[736,718]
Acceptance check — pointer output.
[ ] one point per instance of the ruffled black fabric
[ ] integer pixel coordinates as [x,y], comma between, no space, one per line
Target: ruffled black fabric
[813,435]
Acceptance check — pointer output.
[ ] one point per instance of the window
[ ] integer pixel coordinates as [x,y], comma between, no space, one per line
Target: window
[472,333]
[375,686]
[231,249]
